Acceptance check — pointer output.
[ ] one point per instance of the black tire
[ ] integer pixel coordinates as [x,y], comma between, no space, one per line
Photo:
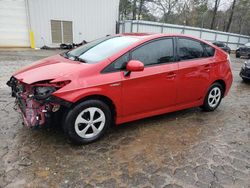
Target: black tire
[245,80]
[70,127]
[207,106]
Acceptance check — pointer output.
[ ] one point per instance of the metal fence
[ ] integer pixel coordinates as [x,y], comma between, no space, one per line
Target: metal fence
[231,39]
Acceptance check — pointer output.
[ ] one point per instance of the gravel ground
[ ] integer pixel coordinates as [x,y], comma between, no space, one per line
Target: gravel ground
[189,148]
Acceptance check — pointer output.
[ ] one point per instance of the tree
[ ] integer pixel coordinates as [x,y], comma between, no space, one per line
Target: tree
[231,16]
[197,13]
[216,6]
[124,9]
[134,9]
[167,7]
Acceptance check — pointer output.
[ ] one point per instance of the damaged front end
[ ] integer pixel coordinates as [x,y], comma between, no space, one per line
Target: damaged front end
[36,102]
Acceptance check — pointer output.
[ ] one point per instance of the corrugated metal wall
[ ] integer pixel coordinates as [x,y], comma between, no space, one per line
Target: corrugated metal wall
[91,18]
[231,39]
[13,24]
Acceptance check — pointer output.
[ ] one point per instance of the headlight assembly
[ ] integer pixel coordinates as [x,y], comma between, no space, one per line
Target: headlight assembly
[42,92]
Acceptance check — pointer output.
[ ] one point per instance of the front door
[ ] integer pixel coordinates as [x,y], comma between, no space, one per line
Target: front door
[154,88]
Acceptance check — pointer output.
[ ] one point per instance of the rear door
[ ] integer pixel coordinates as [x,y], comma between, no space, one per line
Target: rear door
[194,69]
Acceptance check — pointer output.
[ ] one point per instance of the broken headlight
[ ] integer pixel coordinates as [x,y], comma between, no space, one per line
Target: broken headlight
[42,92]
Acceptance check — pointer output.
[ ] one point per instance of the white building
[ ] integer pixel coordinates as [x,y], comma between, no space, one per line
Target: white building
[35,23]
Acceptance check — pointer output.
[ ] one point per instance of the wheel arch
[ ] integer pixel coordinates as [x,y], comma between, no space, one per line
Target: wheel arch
[222,83]
[102,98]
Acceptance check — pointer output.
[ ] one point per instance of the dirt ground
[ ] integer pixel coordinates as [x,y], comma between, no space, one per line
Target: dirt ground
[189,148]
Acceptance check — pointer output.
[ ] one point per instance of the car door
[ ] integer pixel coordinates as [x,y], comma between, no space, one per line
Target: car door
[153,88]
[194,69]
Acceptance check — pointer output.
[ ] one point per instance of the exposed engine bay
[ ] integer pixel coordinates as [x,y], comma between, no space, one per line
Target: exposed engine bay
[35,101]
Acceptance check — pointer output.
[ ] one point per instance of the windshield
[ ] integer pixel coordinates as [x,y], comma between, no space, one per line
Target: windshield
[101,49]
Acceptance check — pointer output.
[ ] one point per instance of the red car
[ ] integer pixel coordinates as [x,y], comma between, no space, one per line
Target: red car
[121,78]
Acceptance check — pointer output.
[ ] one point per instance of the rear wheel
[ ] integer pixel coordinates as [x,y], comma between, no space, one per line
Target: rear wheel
[87,121]
[213,97]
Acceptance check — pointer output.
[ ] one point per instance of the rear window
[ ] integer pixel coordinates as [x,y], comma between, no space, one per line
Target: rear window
[190,49]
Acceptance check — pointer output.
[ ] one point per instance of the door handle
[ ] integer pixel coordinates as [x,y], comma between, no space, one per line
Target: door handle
[171,75]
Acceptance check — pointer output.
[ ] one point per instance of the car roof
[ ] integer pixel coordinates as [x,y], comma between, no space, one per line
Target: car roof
[157,35]
[150,36]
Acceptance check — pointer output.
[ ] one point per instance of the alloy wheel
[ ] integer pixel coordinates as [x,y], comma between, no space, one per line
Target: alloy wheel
[214,97]
[90,122]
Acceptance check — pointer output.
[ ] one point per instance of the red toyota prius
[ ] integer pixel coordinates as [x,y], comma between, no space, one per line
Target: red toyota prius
[121,78]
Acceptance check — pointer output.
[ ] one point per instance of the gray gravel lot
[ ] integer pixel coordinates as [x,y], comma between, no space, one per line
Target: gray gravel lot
[189,148]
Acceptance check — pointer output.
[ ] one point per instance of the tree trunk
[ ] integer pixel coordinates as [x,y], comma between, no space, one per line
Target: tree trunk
[231,16]
[216,5]
[134,10]
[140,9]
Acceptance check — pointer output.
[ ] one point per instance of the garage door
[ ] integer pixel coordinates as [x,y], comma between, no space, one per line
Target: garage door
[13,24]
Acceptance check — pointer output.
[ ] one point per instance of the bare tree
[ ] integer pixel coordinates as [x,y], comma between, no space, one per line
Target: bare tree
[134,9]
[124,9]
[231,16]
[195,13]
[167,7]
[216,6]
[140,8]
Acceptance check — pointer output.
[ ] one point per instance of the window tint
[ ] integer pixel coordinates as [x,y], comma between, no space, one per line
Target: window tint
[190,49]
[118,64]
[209,50]
[156,52]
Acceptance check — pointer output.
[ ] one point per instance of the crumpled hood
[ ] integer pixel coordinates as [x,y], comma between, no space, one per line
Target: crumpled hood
[48,69]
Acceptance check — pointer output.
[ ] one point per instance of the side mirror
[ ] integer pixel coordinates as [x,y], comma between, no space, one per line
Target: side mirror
[134,66]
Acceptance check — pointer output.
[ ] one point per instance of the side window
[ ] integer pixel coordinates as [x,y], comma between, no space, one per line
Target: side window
[190,49]
[118,64]
[156,52]
[209,50]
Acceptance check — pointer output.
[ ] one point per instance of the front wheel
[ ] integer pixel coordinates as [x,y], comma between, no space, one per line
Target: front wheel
[213,97]
[87,121]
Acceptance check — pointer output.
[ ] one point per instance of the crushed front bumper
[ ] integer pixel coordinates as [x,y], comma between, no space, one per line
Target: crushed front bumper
[35,112]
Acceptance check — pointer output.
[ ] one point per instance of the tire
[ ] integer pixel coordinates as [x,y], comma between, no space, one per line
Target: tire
[211,102]
[245,79]
[87,121]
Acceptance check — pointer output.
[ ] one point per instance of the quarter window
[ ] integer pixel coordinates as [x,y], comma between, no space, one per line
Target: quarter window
[156,52]
[209,49]
[190,49]
[119,64]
